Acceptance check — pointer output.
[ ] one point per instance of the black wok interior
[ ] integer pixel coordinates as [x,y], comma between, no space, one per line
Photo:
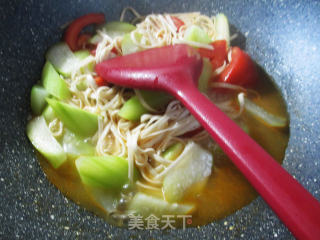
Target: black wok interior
[281,36]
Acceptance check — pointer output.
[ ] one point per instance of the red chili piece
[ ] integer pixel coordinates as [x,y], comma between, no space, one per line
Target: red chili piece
[177,22]
[72,33]
[99,81]
[218,55]
[82,41]
[241,70]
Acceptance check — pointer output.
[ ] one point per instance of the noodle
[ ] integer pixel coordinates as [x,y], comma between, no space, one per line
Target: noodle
[141,143]
[56,127]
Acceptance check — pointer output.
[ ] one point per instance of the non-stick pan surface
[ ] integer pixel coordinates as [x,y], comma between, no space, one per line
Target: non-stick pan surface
[282,36]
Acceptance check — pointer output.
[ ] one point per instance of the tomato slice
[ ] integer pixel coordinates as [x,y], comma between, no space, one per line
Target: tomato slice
[241,70]
[72,33]
[177,22]
[218,55]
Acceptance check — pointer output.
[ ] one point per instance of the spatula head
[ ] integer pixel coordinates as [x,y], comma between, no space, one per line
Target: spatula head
[163,68]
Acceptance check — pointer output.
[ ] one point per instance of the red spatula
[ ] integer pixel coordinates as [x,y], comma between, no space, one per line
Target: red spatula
[176,69]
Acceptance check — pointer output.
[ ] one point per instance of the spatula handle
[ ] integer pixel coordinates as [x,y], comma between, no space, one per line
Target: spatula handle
[294,205]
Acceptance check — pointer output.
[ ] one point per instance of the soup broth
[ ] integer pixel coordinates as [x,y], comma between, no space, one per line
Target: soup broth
[226,189]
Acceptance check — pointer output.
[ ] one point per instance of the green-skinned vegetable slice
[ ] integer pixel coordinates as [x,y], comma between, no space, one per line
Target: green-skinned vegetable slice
[62,58]
[53,83]
[43,140]
[145,205]
[79,121]
[133,108]
[193,166]
[205,75]
[196,34]
[113,29]
[104,172]
[172,152]
[222,28]
[38,99]
[128,46]
[76,146]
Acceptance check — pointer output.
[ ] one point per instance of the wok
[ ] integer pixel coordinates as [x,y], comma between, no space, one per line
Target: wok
[281,36]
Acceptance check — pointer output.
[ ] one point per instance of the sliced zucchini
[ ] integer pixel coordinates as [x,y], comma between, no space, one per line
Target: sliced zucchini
[172,152]
[53,83]
[82,54]
[128,46]
[196,34]
[145,205]
[62,58]
[48,114]
[83,85]
[43,140]
[95,39]
[79,121]
[105,172]
[76,146]
[108,199]
[155,99]
[194,166]
[133,108]
[38,99]
[113,29]
[205,75]
[222,28]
